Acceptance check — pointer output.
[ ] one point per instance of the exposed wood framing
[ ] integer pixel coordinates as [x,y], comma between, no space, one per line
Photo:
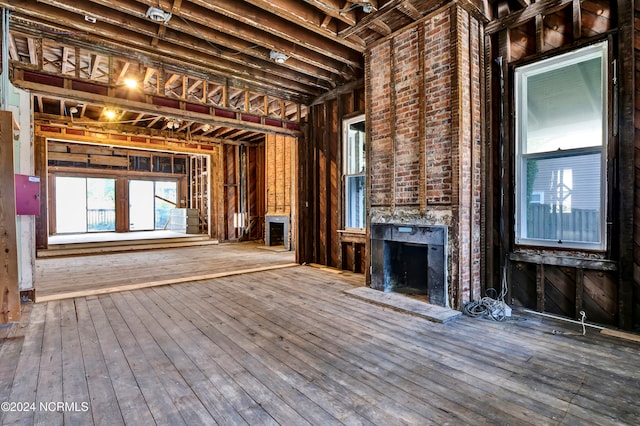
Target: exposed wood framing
[9,280]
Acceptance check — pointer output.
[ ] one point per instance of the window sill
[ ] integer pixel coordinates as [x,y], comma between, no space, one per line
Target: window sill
[353,235]
[573,262]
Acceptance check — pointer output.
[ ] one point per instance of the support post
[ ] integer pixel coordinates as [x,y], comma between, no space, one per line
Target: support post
[9,280]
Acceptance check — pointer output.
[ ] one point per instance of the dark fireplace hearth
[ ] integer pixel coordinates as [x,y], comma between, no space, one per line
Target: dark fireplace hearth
[410,259]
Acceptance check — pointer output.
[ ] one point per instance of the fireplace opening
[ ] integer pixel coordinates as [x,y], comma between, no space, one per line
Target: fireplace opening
[276,233]
[405,268]
[410,259]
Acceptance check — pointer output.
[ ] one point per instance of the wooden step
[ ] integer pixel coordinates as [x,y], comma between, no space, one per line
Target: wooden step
[78,249]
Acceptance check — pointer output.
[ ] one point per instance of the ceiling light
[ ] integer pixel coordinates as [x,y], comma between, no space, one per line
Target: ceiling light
[158,15]
[277,57]
[73,110]
[131,83]
[206,128]
[109,114]
[172,124]
[90,19]
[367,7]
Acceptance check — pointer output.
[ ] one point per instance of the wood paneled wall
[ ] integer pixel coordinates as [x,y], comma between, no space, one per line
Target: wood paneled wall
[321,186]
[636,198]
[604,284]
[239,192]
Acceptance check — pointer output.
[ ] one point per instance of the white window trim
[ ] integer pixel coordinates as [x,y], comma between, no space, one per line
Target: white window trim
[345,155]
[520,78]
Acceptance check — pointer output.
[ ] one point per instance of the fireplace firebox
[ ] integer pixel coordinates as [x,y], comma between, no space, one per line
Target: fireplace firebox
[410,259]
[277,231]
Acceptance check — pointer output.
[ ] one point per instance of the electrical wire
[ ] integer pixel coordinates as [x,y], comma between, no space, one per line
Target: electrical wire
[495,308]
[213,46]
[335,9]
[583,316]
[488,307]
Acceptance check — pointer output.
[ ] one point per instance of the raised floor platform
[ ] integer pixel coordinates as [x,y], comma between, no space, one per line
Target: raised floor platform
[405,304]
[109,242]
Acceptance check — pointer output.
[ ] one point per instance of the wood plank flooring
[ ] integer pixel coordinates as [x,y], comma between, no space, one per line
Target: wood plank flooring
[289,347]
[82,275]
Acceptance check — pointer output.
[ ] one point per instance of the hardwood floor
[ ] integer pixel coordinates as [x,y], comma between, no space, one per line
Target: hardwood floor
[63,277]
[289,347]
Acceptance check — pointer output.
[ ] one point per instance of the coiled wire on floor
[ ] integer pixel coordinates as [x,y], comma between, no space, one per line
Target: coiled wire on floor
[487,307]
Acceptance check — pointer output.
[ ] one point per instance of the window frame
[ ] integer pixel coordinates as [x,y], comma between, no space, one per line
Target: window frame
[521,73]
[346,123]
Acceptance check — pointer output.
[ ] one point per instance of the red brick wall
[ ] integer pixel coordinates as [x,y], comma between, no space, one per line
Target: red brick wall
[407,72]
[440,71]
[381,125]
[425,127]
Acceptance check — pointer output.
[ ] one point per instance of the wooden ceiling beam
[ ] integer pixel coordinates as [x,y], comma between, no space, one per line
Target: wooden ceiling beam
[523,15]
[310,63]
[410,10]
[241,76]
[152,109]
[33,51]
[338,9]
[310,18]
[200,23]
[380,27]
[269,73]
[257,23]
[13,50]
[95,66]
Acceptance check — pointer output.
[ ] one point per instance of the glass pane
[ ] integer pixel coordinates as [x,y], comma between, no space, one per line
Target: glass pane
[165,201]
[355,214]
[101,205]
[355,148]
[71,205]
[563,198]
[564,107]
[141,205]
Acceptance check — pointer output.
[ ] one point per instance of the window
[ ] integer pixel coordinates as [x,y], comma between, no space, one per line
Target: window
[561,133]
[85,205]
[150,203]
[354,172]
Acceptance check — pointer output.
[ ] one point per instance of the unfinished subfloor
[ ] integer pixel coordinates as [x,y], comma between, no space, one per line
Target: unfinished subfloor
[289,347]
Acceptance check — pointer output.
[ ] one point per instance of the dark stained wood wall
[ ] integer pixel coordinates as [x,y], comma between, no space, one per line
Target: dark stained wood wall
[241,182]
[636,198]
[321,186]
[565,283]
[255,192]
[230,167]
